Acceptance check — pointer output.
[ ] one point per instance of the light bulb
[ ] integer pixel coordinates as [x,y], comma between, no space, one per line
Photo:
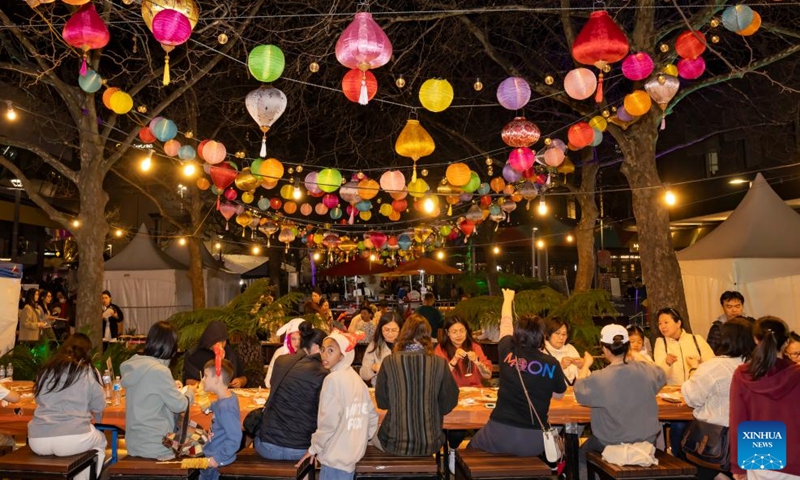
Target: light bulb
[147,163]
[76,223]
[297,193]
[372,257]
[118,233]
[570,238]
[540,244]
[429,206]
[669,198]
[217,245]
[496,250]
[256,250]
[542,209]
[316,256]
[182,241]
[189,169]
[440,255]
[11,114]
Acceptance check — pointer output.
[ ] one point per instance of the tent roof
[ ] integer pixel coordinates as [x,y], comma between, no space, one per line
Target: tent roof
[355,267]
[762,226]
[181,254]
[427,265]
[142,254]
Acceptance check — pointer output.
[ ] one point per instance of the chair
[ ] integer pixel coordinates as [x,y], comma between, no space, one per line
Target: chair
[668,467]
[476,464]
[137,468]
[250,465]
[24,464]
[378,464]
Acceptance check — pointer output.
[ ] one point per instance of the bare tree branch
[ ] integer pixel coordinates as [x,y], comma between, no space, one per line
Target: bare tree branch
[34,195]
[51,160]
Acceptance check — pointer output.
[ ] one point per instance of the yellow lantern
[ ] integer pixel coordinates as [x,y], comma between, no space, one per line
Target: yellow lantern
[638,103]
[368,189]
[365,215]
[458,174]
[244,220]
[598,123]
[120,102]
[567,167]
[287,191]
[418,188]
[247,197]
[436,94]
[670,69]
[246,181]
[414,142]
[386,209]
[270,168]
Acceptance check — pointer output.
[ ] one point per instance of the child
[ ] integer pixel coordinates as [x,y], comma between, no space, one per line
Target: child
[347,418]
[68,392]
[11,397]
[226,428]
[637,340]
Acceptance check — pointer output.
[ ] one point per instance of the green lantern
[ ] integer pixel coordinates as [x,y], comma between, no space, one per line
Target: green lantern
[473,183]
[329,180]
[266,63]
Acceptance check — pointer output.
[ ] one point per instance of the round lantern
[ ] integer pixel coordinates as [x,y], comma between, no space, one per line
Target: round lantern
[321,209]
[187,152]
[418,188]
[170,28]
[624,115]
[399,206]
[187,7]
[553,157]
[172,147]
[231,194]
[497,184]
[311,183]
[90,82]
[520,132]
[414,142]
[513,93]
[458,174]
[214,152]
[690,44]
[349,192]
[275,203]
[521,159]
[146,135]
[265,106]
[580,83]
[86,31]
[246,181]
[107,96]
[753,27]
[473,183]
[598,123]
[290,207]
[364,46]
[247,197]
[737,17]
[203,183]
[121,103]
[436,94]
[393,181]
[638,103]
[354,80]
[637,66]
[330,200]
[336,213]
[365,216]
[510,174]
[266,63]
[271,168]
[599,43]
[165,129]
[691,69]
[399,194]
[580,134]
[598,139]
[306,209]
[368,189]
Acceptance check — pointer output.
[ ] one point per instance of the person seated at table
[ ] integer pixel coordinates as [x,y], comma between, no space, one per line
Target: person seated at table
[152,397]
[381,345]
[791,351]
[363,322]
[557,332]
[68,393]
[226,426]
[675,347]
[327,318]
[708,388]
[290,416]
[291,343]
[622,396]
[638,344]
[512,428]
[417,390]
[214,337]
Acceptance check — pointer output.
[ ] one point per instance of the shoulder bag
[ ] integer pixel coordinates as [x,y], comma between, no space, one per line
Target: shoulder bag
[706,445]
[553,443]
[187,438]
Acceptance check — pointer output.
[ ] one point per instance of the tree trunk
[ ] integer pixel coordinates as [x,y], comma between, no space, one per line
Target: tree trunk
[584,234]
[195,257]
[660,269]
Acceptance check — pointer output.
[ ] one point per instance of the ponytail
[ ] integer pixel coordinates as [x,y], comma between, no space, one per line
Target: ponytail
[771,333]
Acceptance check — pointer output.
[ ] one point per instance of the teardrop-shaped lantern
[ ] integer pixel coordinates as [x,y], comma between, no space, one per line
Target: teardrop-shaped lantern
[87,31]
[414,142]
[170,28]
[599,43]
[365,46]
[265,105]
[662,89]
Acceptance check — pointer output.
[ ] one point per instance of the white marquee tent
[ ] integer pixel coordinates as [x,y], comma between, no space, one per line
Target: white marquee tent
[756,251]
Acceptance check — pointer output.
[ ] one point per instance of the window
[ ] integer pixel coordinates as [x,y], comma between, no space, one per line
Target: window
[712,164]
[571,213]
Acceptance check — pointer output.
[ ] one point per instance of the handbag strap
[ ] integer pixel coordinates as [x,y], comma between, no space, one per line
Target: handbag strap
[185,422]
[531,408]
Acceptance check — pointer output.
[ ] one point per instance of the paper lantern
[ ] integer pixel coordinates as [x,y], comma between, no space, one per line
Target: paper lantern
[399,194]
[513,93]
[553,157]
[349,192]
[365,216]
[336,213]
[170,28]
[246,181]
[418,188]
[271,168]
[187,152]
[214,152]
[368,189]
[306,209]
[753,27]
[248,197]
[354,80]
[230,194]
[393,181]
[670,69]
[86,31]
[662,90]
[266,63]
[599,43]
[363,45]
[187,7]
[436,94]
[414,142]
[598,123]
[90,82]
[638,103]
[329,180]
[521,159]
[227,210]
[165,129]
[497,184]
[467,227]
[624,115]
[567,167]
[580,134]
[146,135]
[580,83]
[321,209]
[690,44]
[691,69]
[597,140]
[520,132]
[458,174]
[311,183]
[400,205]
[511,175]
[364,205]
[172,147]
[473,183]
[290,207]
[265,105]
[121,103]
[737,17]
[275,203]
[637,66]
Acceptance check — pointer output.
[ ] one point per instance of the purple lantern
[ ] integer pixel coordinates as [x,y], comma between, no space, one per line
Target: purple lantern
[511,175]
[514,93]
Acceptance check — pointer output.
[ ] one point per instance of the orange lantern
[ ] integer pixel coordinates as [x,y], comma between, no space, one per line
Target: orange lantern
[580,135]
[414,142]
[458,174]
[497,184]
[638,103]
[368,188]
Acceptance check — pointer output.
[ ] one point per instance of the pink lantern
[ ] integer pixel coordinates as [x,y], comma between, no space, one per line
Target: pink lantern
[311,183]
[521,159]
[227,210]
[393,181]
[520,132]
[690,69]
[637,66]
[330,200]
[365,46]
[580,83]
[306,209]
[171,147]
[86,30]
[170,28]
[321,209]
[214,152]
[559,144]
[513,93]
[553,157]
[378,239]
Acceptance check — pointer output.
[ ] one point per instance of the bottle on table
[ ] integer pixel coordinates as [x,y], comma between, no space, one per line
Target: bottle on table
[107,385]
[117,391]
[2,372]
[10,371]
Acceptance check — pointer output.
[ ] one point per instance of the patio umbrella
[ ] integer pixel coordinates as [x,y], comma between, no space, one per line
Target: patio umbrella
[427,265]
[360,266]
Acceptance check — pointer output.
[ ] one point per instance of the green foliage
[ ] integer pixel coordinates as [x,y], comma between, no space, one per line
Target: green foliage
[474,284]
[485,310]
[28,358]
[578,311]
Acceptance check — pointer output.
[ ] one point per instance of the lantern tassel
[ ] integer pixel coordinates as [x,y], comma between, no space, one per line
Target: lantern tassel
[598,97]
[166,70]
[528,206]
[414,174]
[217,202]
[263,152]
[268,245]
[663,120]
[352,216]
[497,225]
[226,226]
[363,97]
[84,69]
[244,231]
[450,211]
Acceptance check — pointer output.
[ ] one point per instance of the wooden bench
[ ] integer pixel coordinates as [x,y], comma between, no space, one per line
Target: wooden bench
[5,450]
[136,468]
[25,464]
[249,464]
[472,463]
[378,464]
[668,467]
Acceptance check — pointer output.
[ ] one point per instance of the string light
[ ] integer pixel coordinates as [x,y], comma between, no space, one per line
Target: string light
[217,245]
[11,114]
[119,233]
[669,197]
[428,205]
[76,223]
[256,250]
[182,241]
[189,169]
[496,250]
[372,257]
[540,244]
[316,256]
[570,238]
[440,255]
[147,162]
[542,208]
[297,194]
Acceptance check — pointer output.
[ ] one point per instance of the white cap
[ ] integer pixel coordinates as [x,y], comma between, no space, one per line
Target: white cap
[291,326]
[608,333]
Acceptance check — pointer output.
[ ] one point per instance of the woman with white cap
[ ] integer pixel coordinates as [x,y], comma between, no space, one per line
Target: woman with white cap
[291,343]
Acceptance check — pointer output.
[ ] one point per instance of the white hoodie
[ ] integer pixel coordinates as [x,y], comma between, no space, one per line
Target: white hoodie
[346,419]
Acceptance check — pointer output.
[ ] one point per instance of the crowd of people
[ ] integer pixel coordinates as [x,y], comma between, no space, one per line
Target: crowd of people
[320,408]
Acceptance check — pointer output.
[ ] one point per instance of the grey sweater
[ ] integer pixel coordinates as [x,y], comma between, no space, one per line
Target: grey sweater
[68,411]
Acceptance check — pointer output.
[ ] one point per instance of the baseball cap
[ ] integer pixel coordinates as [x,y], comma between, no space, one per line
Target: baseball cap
[608,333]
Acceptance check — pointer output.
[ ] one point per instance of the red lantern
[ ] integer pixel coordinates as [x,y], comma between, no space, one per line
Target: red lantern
[600,43]
[580,135]
[520,132]
[86,30]
[399,206]
[275,203]
[231,194]
[222,176]
[690,44]
[351,84]
[467,227]
[146,135]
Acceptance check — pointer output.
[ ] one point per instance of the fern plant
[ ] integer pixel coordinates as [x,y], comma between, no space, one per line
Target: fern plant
[483,311]
[27,359]
[578,311]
